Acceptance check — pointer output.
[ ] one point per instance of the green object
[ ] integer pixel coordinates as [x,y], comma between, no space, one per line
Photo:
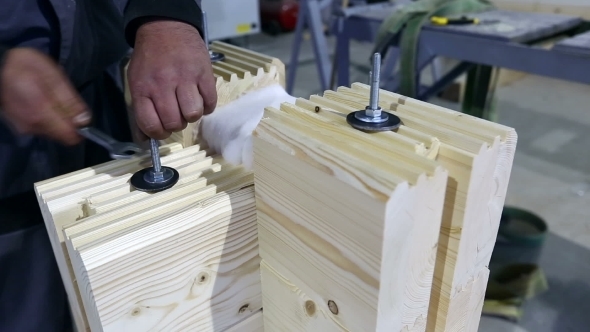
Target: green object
[475,98]
[522,227]
[510,287]
[409,20]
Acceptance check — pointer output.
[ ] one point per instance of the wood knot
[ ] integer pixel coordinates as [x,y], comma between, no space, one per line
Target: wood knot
[243,308]
[310,308]
[135,312]
[202,278]
[333,307]
[317,109]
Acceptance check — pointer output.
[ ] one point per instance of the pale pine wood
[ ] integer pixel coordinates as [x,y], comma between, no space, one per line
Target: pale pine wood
[477,154]
[346,217]
[71,210]
[475,196]
[253,323]
[168,261]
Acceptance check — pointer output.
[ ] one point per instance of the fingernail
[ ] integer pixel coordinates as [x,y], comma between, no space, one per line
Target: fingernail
[81,119]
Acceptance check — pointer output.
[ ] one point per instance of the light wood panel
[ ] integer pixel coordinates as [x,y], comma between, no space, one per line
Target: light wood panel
[253,323]
[178,260]
[346,220]
[310,185]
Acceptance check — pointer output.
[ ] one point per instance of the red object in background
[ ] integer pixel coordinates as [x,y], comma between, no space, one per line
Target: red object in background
[278,16]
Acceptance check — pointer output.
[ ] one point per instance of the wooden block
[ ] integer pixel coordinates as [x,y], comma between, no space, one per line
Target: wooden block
[476,190]
[171,261]
[346,220]
[310,185]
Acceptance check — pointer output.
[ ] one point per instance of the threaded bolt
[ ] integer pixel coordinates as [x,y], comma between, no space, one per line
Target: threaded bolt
[375,77]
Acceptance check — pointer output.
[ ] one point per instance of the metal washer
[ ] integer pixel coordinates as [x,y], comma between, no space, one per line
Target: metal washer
[393,122]
[216,56]
[138,180]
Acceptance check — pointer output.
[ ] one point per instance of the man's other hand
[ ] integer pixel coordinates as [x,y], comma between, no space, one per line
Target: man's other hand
[36,97]
[170,78]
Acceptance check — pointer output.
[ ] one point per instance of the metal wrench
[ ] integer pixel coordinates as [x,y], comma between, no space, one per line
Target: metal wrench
[117,150]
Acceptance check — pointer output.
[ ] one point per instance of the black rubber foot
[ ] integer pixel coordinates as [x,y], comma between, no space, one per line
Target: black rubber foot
[216,57]
[140,180]
[393,122]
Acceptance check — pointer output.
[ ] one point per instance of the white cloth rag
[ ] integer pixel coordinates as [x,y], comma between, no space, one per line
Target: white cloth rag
[228,130]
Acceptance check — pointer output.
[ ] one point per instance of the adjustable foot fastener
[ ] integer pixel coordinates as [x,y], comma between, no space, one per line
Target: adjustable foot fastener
[157,177]
[373,118]
[384,122]
[149,180]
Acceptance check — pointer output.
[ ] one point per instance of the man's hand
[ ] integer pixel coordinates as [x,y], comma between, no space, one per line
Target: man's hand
[36,97]
[170,78]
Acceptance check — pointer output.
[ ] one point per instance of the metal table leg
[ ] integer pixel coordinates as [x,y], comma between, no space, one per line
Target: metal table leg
[310,17]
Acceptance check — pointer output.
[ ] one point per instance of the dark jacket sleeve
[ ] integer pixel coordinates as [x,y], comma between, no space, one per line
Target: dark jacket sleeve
[138,12]
[3,50]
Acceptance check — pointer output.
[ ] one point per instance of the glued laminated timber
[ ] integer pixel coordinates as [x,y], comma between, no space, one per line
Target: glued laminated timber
[185,259]
[92,207]
[346,231]
[346,219]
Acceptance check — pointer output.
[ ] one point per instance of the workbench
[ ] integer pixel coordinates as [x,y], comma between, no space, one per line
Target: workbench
[508,43]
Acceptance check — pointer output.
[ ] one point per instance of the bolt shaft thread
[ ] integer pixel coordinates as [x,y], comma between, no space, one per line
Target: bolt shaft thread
[205,30]
[155,155]
[375,77]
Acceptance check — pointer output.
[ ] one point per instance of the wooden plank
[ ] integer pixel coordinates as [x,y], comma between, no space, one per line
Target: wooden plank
[73,210]
[186,266]
[343,222]
[166,261]
[253,323]
[304,166]
[477,196]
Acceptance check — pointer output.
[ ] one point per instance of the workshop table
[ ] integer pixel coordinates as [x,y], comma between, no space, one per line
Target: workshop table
[505,44]
[579,44]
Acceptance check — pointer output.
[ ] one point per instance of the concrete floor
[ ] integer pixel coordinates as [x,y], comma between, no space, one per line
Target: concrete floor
[551,177]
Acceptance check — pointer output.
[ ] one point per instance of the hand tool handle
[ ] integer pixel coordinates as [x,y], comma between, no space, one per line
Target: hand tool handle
[439,20]
[98,137]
